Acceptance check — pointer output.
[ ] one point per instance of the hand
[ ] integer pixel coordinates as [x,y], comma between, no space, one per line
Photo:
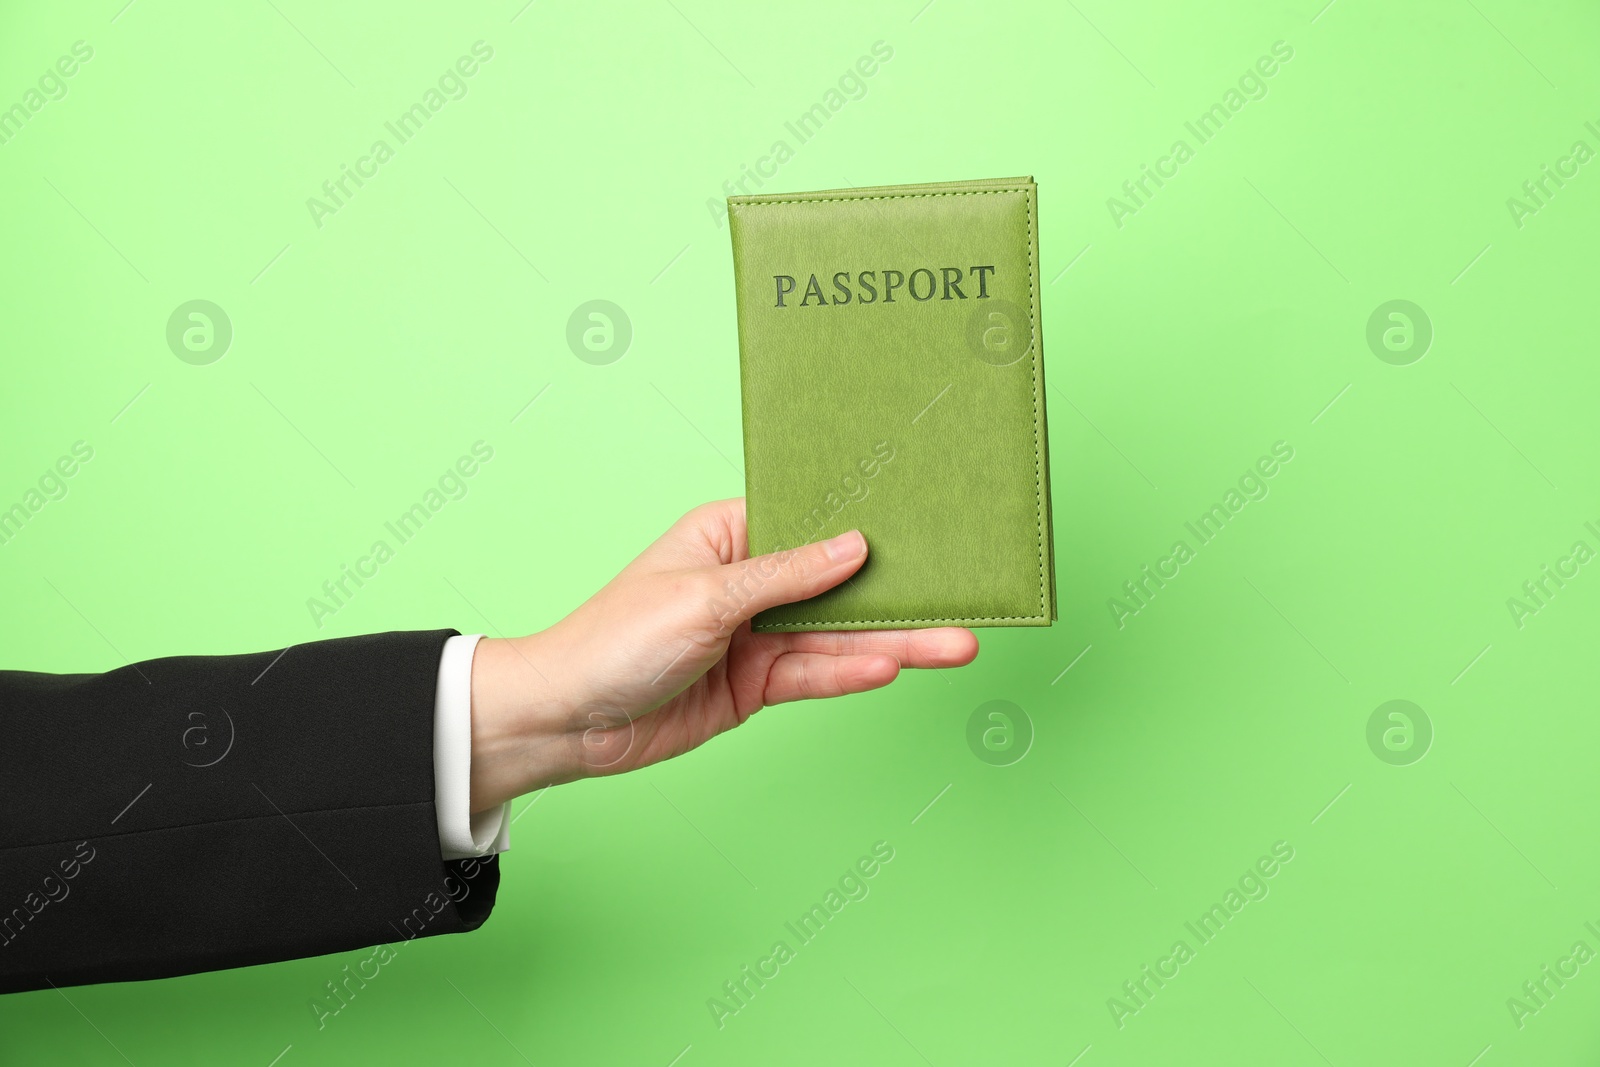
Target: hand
[662,659]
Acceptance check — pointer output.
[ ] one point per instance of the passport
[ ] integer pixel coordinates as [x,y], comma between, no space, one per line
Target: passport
[892,381]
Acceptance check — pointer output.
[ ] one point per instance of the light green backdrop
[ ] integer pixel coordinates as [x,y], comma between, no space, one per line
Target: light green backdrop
[1188,331]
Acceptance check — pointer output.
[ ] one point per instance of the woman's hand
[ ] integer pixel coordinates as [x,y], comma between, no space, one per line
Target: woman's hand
[662,658]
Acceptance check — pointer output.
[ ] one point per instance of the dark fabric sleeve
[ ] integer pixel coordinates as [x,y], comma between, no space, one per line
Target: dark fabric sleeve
[196,813]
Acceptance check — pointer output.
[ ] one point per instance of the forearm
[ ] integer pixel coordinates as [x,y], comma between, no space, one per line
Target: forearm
[223,811]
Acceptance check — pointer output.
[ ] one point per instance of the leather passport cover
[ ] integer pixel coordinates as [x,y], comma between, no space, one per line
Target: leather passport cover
[893,382]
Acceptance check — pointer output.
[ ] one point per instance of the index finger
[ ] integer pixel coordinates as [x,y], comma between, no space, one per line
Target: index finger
[939,646]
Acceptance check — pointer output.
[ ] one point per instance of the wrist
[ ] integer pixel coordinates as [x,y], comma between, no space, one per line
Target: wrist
[521,721]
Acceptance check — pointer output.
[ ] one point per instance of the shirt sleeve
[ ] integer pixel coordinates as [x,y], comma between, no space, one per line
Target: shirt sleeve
[462,835]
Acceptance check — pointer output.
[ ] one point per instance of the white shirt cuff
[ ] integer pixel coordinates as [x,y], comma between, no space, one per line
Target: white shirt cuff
[462,835]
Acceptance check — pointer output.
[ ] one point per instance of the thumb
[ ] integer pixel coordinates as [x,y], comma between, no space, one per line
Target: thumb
[790,574]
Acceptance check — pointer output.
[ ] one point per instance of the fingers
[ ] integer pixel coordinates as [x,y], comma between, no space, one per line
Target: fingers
[792,574]
[812,675]
[712,533]
[944,646]
[718,526]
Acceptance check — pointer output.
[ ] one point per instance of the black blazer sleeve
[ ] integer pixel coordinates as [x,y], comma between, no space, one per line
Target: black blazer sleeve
[195,813]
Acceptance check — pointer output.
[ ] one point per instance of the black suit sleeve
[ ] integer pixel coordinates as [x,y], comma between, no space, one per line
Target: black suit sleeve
[195,813]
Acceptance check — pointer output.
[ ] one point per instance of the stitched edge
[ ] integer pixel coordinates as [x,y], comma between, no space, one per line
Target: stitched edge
[891,196]
[775,626]
[1034,363]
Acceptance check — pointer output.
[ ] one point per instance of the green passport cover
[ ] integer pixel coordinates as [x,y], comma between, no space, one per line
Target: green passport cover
[893,382]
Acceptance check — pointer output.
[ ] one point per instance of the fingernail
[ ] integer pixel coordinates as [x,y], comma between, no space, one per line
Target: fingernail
[846,546]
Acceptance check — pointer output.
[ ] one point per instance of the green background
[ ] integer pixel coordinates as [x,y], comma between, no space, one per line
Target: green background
[1228,313]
